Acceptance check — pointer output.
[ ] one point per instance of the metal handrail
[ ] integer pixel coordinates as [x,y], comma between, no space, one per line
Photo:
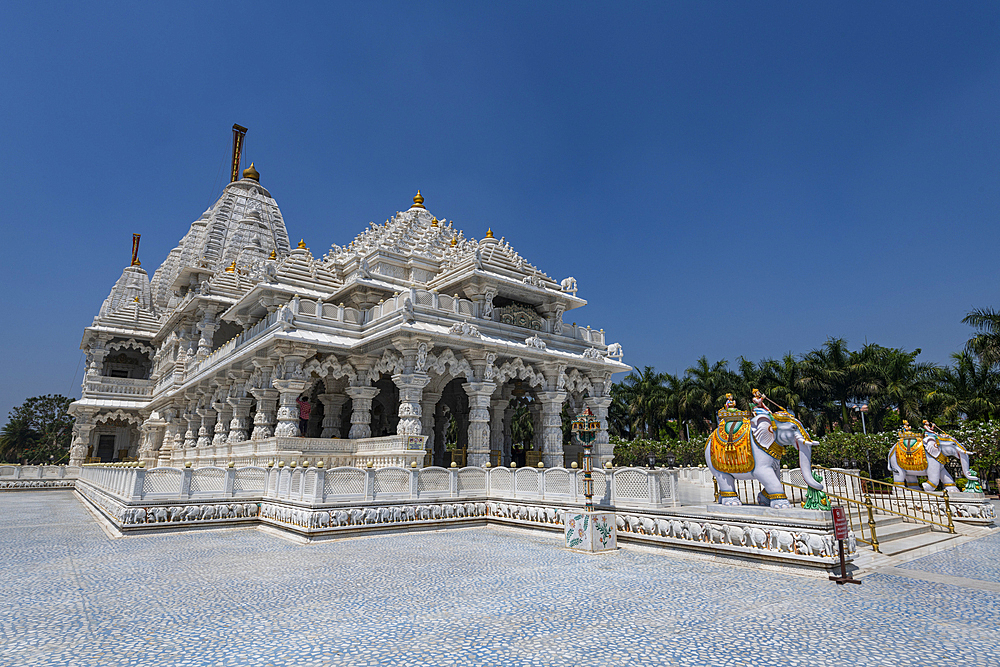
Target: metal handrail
[860,514]
[915,505]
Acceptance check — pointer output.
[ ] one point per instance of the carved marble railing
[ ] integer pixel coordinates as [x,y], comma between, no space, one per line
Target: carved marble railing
[118,387]
[15,477]
[624,487]
[236,343]
[390,450]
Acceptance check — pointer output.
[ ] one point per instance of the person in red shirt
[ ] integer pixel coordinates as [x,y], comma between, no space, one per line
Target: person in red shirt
[305,409]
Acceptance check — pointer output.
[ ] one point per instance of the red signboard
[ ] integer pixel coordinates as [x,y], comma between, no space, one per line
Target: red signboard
[839,523]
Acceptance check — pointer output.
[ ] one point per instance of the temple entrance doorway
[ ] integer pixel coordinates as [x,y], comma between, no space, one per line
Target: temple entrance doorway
[451,425]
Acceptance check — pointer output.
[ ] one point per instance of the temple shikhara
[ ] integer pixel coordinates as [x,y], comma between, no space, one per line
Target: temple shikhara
[409,335]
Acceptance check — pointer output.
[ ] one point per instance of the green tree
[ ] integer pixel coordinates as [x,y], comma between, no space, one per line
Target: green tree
[968,389]
[832,375]
[985,343]
[644,397]
[895,381]
[705,390]
[38,429]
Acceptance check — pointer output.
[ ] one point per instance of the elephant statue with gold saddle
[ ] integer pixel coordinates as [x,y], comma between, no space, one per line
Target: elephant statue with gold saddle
[750,445]
[926,455]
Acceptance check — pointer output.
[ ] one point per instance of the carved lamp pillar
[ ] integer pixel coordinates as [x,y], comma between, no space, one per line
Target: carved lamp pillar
[602,443]
[288,413]
[239,427]
[361,411]
[224,416]
[333,404]
[551,418]
[585,427]
[263,421]
[497,431]
[82,429]
[479,421]
[411,389]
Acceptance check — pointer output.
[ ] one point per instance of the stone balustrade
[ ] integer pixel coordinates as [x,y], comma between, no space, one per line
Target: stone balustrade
[389,450]
[16,477]
[118,387]
[624,487]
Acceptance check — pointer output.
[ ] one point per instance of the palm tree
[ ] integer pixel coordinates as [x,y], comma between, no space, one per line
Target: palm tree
[705,388]
[985,344]
[832,375]
[969,389]
[16,438]
[644,398]
[898,381]
[782,381]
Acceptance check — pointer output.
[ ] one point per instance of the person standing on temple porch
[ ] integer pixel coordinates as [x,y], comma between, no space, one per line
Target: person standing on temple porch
[305,409]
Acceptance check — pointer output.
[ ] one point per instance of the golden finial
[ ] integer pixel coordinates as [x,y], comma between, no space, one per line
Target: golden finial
[302,244]
[489,233]
[136,299]
[453,242]
[434,222]
[274,255]
[251,173]
[231,268]
[418,200]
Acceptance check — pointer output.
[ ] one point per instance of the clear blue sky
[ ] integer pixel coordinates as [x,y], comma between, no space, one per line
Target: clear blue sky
[722,179]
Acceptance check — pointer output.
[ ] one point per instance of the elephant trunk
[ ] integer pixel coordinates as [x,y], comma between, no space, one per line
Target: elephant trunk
[805,464]
[963,456]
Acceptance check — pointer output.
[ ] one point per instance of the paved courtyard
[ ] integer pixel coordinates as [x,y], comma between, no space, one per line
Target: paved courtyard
[478,596]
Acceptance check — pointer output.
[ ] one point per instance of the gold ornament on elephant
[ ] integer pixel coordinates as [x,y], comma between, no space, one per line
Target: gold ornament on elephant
[910,452]
[732,442]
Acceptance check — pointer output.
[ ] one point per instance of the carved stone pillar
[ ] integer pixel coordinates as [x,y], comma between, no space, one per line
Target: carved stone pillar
[263,421]
[602,443]
[224,416]
[173,440]
[537,440]
[440,436]
[552,437]
[239,427]
[361,411]
[479,421]
[507,454]
[428,404]
[288,413]
[333,404]
[83,427]
[206,329]
[497,409]
[207,415]
[411,389]
[193,424]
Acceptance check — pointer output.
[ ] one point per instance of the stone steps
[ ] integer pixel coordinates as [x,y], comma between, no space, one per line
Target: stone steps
[896,537]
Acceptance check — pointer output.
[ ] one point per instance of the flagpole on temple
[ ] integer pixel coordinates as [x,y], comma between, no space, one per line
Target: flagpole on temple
[135,250]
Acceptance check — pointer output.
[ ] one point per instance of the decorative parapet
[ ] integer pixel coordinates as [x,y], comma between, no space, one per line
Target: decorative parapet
[318,502]
[33,478]
[100,386]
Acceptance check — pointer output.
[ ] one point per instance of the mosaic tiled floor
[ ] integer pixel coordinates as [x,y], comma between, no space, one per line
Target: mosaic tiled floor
[478,596]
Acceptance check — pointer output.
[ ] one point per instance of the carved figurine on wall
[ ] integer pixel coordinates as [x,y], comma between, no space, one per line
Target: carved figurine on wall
[926,455]
[749,446]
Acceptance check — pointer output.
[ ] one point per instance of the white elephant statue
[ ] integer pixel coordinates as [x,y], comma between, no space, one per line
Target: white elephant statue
[746,446]
[916,455]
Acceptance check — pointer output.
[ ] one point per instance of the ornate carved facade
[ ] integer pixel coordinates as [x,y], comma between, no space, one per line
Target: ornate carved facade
[408,333]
